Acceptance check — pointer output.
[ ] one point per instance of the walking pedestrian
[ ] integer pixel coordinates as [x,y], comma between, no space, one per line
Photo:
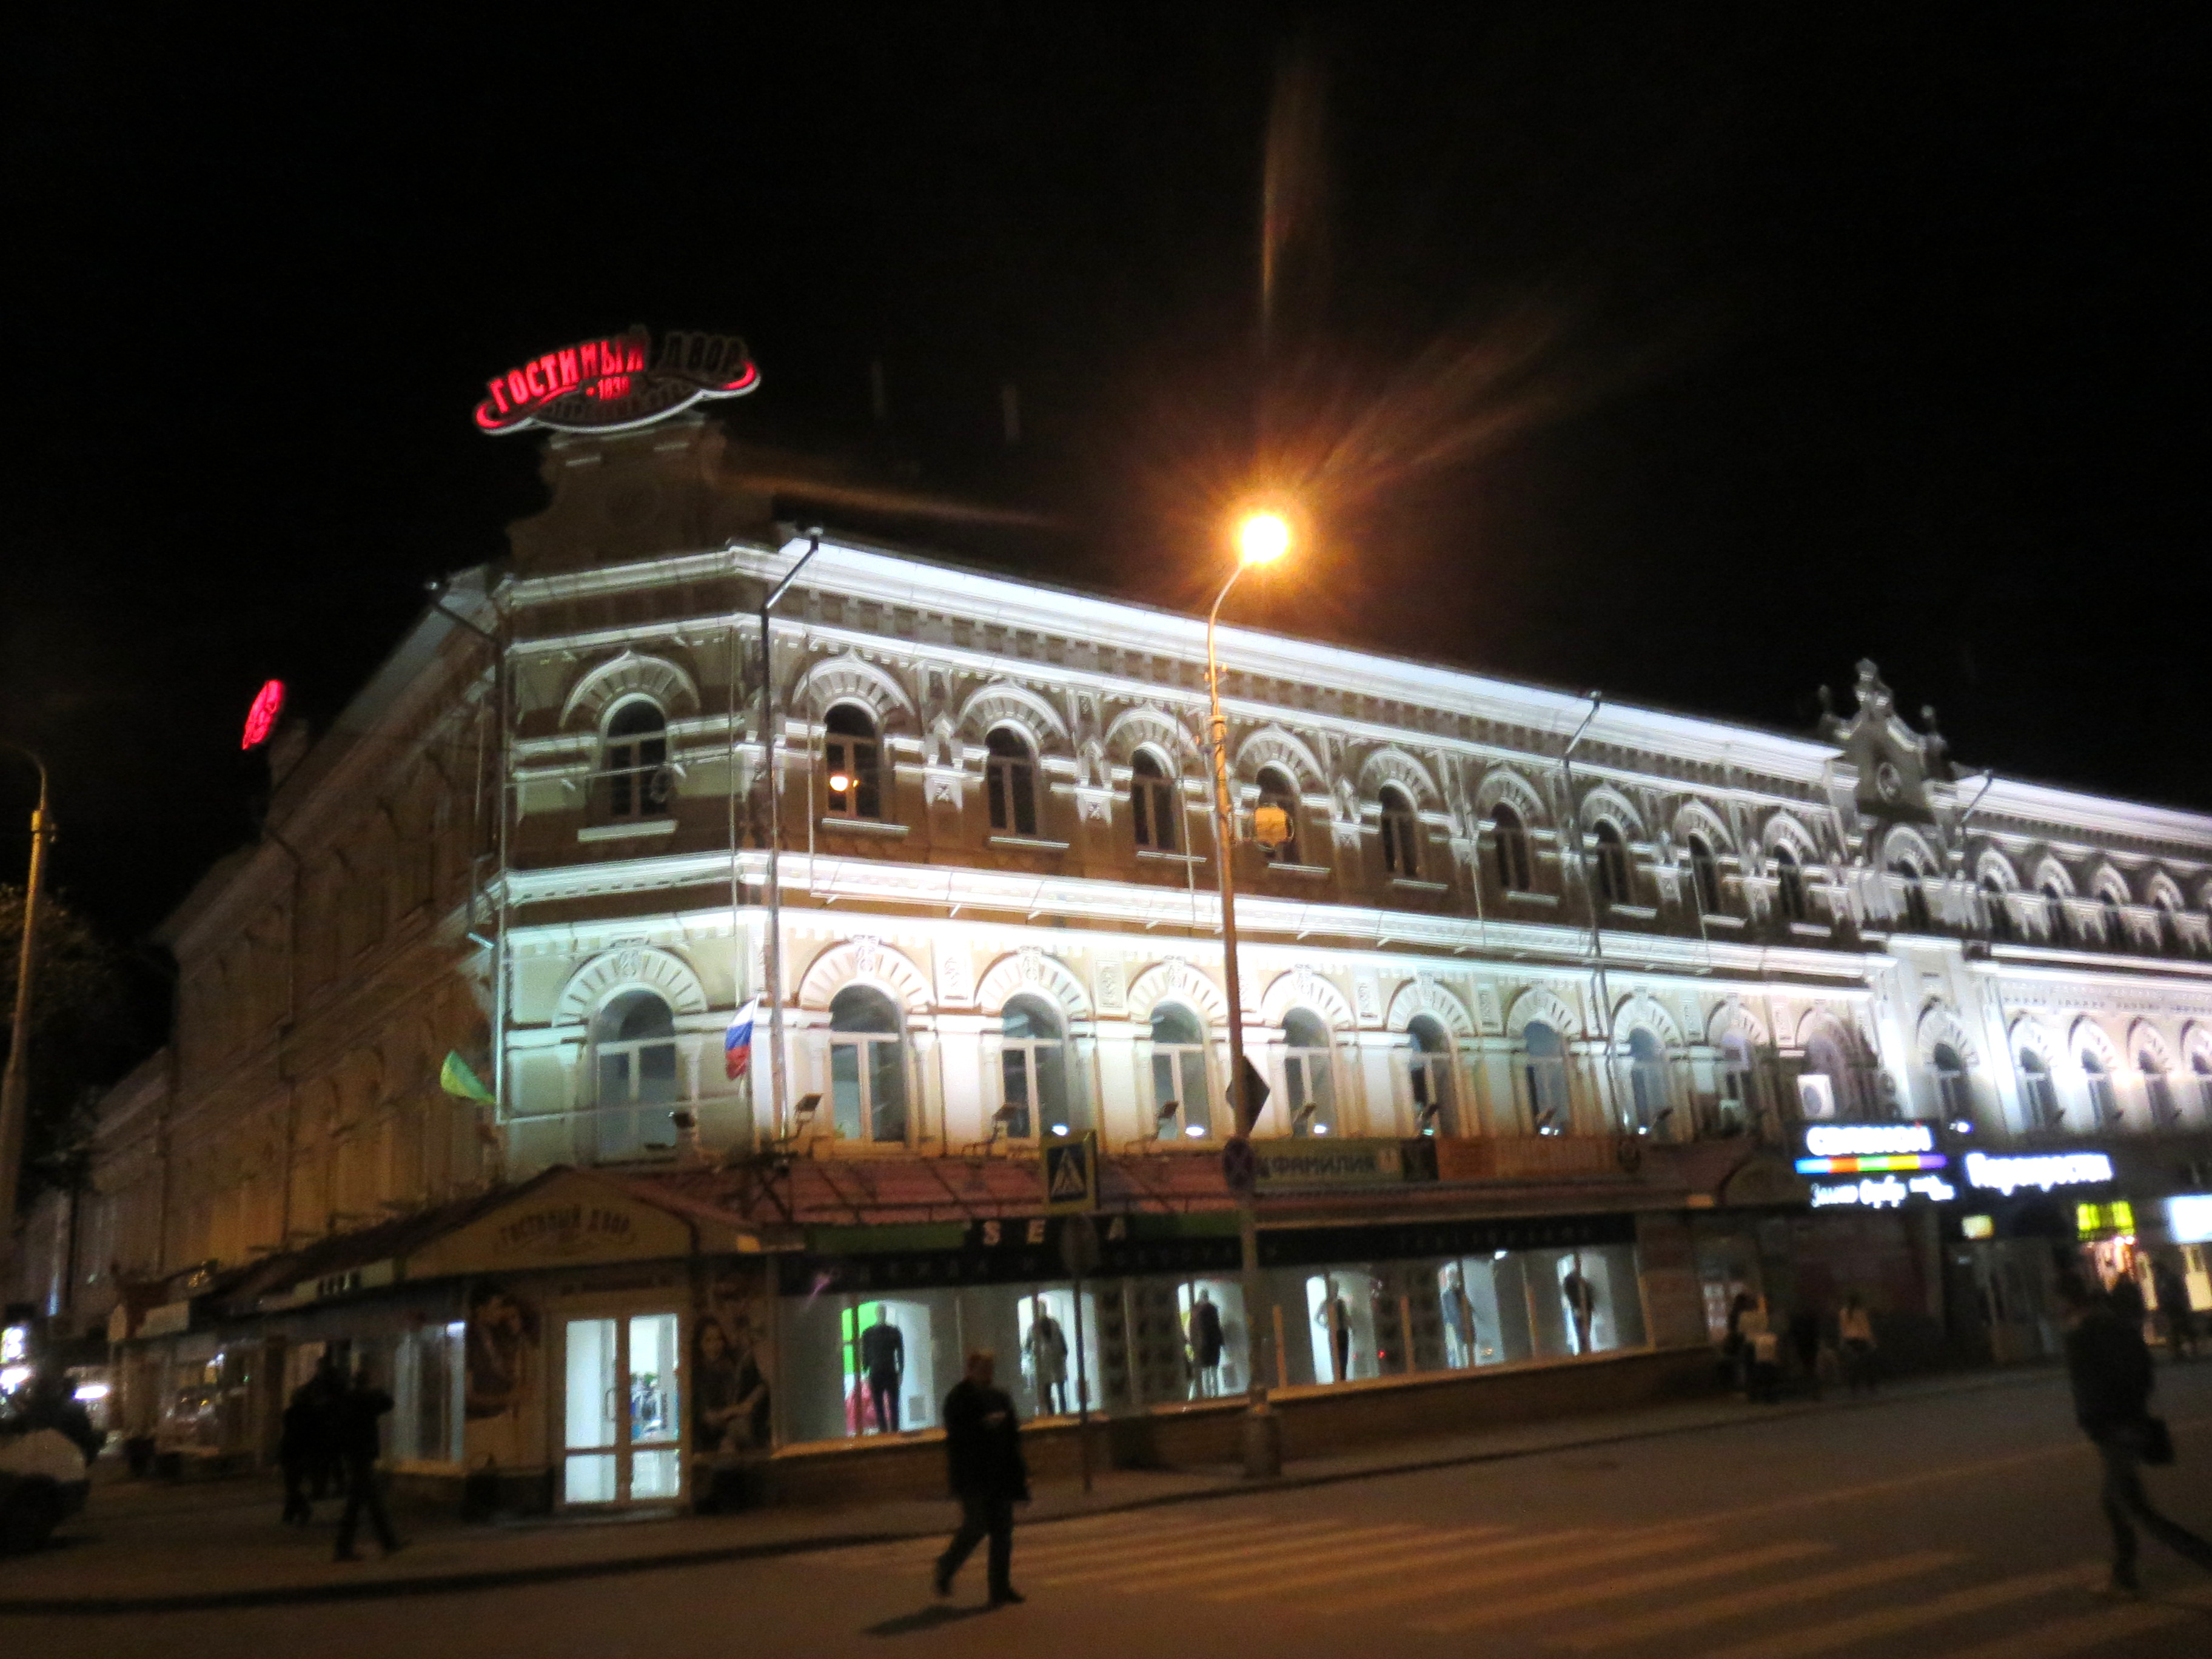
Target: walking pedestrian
[983,1450]
[298,1449]
[2109,1364]
[328,1387]
[1855,1333]
[361,1443]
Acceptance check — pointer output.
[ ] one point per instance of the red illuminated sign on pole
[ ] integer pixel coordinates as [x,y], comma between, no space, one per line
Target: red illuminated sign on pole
[261,719]
[614,384]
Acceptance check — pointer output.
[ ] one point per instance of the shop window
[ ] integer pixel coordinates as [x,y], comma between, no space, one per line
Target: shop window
[852,763]
[633,762]
[1788,885]
[2158,1093]
[1033,1070]
[1308,1082]
[1279,800]
[1705,875]
[1045,1323]
[1512,1305]
[867,1067]
[1955,1095]
[1544,1068]
[1341,1319]
[1179,1093]
[1010,781]
[633,1055]
[2104,1100]
[1401,829]
[1612,866]
[1737,1103]
[1647,1081]
[428,1395]
[1429,1064]
[1214,1337]
[890,1381]
[2042,1099]
[1510,840]
[1154,803]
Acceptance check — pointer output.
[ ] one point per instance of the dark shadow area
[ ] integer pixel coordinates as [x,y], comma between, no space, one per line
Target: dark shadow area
[928,1619]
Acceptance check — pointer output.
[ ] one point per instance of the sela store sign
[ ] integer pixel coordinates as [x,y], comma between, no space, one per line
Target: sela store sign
[1888,1164]
[618,383]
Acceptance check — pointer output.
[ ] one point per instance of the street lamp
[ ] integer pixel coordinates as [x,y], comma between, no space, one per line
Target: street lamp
[1262,538]
[15,1082]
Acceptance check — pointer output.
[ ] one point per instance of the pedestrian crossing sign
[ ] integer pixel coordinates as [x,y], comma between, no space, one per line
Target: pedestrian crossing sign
[1071,1174]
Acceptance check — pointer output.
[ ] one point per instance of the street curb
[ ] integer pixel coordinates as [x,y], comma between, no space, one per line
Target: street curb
[449,1583]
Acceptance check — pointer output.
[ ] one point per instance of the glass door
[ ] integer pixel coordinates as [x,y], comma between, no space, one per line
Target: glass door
[622,1426]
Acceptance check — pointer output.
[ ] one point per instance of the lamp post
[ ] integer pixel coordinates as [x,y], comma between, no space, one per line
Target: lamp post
[1261,538]
[15,1082]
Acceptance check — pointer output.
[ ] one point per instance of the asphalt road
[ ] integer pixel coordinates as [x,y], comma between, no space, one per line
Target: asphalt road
[1963,1525]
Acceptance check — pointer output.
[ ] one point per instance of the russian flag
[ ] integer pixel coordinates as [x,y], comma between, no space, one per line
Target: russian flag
[737,1042]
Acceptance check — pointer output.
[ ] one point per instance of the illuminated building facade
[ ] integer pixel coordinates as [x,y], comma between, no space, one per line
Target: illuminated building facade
[1544,994]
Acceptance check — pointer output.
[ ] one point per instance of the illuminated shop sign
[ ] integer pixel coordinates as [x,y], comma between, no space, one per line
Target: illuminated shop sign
[2189,1219]
[2043,1170]
[1885,1191]
[1979,1226]
[2092,1219]
[614,384]
[261,718]
[1871,1149]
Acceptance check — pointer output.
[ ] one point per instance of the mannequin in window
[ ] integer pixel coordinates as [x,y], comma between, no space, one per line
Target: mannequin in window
[1335,1316]
[1046,1346]
[1205,1345]
[1581,1297]
[882,1360]
[1459,1319]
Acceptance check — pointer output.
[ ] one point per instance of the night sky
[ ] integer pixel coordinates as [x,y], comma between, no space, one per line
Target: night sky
[1689,352]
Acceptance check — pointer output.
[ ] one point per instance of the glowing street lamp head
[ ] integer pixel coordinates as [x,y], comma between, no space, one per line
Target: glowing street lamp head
[1262,538]
[839,783]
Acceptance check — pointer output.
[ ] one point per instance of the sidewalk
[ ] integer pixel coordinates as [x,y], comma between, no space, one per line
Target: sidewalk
[147,1546]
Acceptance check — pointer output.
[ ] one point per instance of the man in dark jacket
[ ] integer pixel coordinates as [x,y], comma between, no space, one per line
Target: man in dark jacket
[361,1443]
[2110,1367]
[983,1450]
[298,1449]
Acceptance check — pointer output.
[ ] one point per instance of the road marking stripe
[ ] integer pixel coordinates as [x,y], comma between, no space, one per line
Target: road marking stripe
[1300,1536]
[1429,1562]
[1887,1621]
[1436,1583]
[1254,1559]
[1273,1579]
[2091,1630]
[1714,1608]
[908,1551]
[1431,1554]
[1577,1596]
[1194,1539]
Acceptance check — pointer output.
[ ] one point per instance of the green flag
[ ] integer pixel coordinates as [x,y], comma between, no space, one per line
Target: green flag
[455,1078]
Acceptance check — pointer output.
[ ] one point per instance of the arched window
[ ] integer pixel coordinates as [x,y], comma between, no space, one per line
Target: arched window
[1647,1080]
[1915,897]
[1010,781]
[1612,865]
[868,1066]
[1705,874]
[2116,932]
[633,759]
[1277,795]
[1154,806]
[2158,1093]
[633,1060]
[2103,1101]
[1790,885]
[852,763]
[1308,1077]
[1738,1096]
[1544,1062]
[1401,848]
[2042,1099]
[2169,931]
[1512,844]
[1179,1100]
[1825,1056]
[1993,896]
[1429,1064]
[1033,1066]
[1953,1096]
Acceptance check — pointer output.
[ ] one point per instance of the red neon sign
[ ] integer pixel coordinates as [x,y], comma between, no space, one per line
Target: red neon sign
[613,383]
[261,719]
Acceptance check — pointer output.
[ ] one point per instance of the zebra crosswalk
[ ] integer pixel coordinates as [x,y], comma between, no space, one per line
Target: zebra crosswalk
[1682,1589]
